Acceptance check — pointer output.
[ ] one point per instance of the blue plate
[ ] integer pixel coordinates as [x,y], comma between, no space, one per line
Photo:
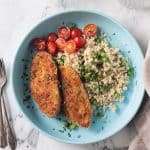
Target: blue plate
[101,128]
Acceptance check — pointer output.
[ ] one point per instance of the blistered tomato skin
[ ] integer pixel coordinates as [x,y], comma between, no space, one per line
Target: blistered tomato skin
[39,44]
[70,46]
[80,41]
[64,32]
[52,37]
[61,44]
[51,47]
[75,32]
[90,30]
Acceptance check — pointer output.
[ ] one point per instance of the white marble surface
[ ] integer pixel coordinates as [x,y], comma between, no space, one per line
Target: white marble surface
[17,16]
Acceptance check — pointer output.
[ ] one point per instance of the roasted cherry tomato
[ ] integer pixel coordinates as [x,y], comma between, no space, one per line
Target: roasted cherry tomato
[39,44]
[51,47]
[64,32]
[71,46]
[90,30]
[75,32]
[80,41]
[52,37]
[61,44]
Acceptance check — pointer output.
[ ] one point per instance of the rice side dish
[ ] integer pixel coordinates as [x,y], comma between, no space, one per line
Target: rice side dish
[103,69]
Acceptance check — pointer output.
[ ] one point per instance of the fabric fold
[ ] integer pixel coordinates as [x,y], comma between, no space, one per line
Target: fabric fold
[142,120]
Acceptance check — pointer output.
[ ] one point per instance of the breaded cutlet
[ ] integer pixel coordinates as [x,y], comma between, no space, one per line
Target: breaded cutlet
[77,107]
[44,84]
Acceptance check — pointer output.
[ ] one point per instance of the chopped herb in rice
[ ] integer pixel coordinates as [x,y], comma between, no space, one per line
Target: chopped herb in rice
[105,72]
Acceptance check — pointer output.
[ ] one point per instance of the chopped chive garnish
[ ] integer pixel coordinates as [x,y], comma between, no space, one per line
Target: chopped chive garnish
[69,125]
[28,97]
[69,134]
[98,39]
[72,25]
[94,102]
[59,119]
[64,128]
[61,131]
[130,72]
[72,126]
[100,114]
[93,122]
[28,106]
[65,123]
[25,67]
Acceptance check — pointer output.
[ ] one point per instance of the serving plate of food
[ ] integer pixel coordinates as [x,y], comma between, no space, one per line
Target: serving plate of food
[77,76]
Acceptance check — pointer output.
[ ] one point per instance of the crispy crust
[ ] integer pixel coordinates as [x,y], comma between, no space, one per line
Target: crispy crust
[44,84]
[76,103]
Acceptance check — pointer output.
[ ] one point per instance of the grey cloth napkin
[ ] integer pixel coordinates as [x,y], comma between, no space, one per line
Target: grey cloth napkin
[142,120]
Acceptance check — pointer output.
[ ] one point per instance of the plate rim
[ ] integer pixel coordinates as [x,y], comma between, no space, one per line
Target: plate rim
[13,66]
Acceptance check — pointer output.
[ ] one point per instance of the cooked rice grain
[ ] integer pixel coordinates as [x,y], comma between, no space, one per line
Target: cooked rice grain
[111,77]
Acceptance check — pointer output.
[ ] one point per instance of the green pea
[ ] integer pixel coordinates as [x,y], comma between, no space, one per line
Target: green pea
[94,87]
[61,63]
[99,53]
[62,60]
[102,56]
[102,53]
[105,59]
[117,95]
[87,68]
[87,76]
[84,69]
[81,68]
